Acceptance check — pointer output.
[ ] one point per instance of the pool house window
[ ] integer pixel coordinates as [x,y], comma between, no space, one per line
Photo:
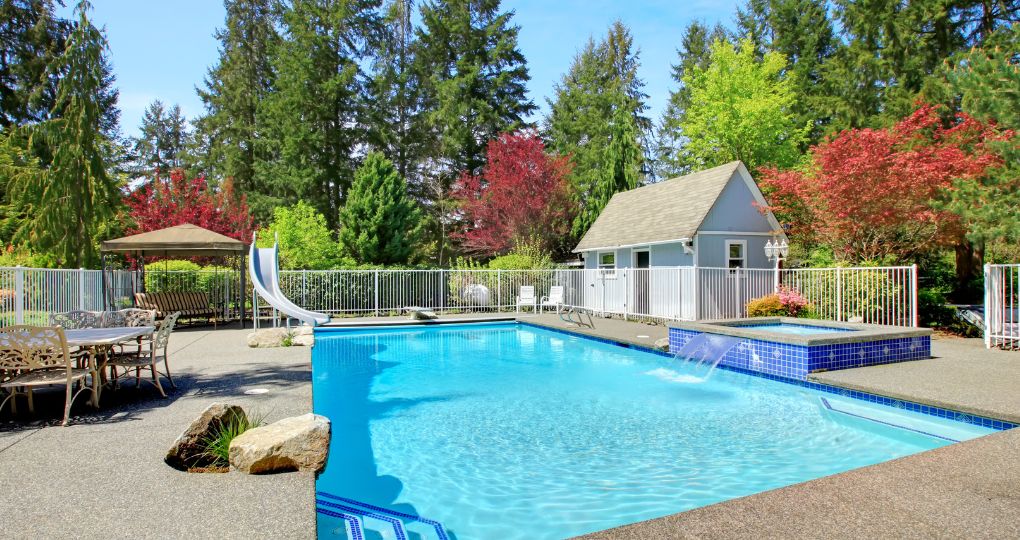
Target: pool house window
[607,264]
[736,255]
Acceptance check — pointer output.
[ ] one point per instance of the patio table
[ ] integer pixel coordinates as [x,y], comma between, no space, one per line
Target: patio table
[95,339]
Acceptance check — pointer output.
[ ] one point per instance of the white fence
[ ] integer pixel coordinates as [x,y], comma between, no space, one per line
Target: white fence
[29,295]
[885,295]
[1002,320]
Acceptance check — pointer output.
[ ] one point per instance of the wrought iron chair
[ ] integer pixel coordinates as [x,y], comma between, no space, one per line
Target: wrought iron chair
[129,317]
[76,320]
[39,357]
[149,357]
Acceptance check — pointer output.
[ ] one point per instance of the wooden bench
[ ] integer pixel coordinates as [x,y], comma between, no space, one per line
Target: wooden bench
[191,304]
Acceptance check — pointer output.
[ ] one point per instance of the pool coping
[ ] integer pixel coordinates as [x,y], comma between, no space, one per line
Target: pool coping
[922,408]
[860,332]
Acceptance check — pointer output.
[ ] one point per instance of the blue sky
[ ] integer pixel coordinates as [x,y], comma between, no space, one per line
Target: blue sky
[162,49]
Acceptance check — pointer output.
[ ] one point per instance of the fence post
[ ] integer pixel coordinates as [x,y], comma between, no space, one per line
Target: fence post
[19,295]
[913,296]
[988,306]
[839,294]
[626,292]
[376,287]
[81,289]
[499,290]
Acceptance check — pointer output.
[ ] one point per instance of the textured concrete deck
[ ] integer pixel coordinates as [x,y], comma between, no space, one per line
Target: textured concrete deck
[635,333]
[966,490]
[962,376]
[104,476]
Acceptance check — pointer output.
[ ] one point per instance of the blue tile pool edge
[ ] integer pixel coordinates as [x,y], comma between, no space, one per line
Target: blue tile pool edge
[991,423]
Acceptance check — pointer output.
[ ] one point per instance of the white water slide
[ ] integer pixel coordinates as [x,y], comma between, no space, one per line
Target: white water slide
[263,265]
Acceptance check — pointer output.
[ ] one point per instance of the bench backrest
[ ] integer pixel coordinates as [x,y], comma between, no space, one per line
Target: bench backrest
[24,348]
[167,302]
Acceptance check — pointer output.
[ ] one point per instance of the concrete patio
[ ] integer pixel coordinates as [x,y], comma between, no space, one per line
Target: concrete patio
[104,476]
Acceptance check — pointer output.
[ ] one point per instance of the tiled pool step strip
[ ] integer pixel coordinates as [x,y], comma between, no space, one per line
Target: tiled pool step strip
[354,512]
[930,410]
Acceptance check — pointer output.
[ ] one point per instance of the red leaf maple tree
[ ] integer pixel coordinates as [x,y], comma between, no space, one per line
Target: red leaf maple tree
[521,195]
[870,194]
[178,200]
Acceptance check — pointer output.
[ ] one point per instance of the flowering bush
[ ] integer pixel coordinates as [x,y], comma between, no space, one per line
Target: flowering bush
[786,303]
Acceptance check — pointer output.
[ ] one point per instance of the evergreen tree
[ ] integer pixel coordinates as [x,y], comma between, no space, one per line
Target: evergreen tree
[396,117]
[473,80]
[163,142]
[585,122]
[31,37]
[66,206]
[225,138]
[802,31]
[741,108]
[693,52]
[313,121]
[380,224]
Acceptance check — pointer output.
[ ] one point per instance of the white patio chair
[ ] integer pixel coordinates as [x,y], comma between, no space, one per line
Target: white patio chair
[555,299]
[527,298]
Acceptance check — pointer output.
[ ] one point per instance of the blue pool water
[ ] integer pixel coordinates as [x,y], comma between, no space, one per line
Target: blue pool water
[790,328]
[509,431]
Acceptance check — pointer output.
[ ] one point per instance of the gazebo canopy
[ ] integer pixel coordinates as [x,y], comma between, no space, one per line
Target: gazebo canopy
[185,240]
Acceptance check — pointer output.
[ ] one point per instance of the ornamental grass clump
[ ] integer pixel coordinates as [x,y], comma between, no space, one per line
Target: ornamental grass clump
[786,303]
[217,444]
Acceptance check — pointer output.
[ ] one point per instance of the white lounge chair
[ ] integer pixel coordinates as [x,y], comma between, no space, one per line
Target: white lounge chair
[555,299]
[527,298]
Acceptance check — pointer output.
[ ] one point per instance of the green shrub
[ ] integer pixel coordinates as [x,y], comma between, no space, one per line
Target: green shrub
[766,306]
[786,303]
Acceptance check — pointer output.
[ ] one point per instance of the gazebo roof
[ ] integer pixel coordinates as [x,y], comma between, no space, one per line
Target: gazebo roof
[185,240]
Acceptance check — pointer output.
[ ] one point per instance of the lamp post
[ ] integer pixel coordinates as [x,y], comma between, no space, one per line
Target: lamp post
[776,251]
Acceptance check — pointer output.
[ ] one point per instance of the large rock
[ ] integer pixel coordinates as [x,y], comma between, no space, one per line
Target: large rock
[187,451]
[268,337]
[662,344]
[303,335]
[296,443]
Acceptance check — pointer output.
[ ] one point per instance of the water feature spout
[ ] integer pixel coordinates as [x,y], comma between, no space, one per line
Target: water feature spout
[704,350]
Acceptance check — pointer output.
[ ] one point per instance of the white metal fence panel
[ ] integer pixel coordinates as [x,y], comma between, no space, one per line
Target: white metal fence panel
[875,295]
[29,295]
[723,293]
[1002,305]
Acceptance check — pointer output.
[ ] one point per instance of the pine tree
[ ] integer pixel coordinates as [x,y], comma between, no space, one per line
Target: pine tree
[31,37]
[396,117]
[380,223]
[802,31]
[314,120]
[67,205]
[585,122]
[473,80]
[693,52]
[225,139]
[163,141]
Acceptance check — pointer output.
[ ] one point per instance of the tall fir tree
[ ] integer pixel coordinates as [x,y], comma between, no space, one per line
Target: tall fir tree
[67,205]
[380,223]
[314,120]
[802,31]
[669,140]
[585,122]
[396,120]
[31,37]
[225,137]
[163,141]
[473,78]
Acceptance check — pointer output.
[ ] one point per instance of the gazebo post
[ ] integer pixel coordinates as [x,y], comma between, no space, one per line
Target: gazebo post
[244,286]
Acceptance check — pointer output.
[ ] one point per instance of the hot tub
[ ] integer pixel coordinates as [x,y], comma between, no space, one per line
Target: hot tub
[792,348]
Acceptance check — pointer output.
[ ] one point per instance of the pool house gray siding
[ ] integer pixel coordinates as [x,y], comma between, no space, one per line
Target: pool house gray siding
[707,211]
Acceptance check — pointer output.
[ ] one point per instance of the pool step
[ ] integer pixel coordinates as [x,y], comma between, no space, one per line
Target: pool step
[359,517]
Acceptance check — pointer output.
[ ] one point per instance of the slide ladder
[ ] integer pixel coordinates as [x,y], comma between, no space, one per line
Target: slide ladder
[264,268]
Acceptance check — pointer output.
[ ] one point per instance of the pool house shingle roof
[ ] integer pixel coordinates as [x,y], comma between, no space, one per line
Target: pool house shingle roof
[667,211]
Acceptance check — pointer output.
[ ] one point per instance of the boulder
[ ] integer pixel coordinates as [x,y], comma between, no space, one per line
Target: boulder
[187,451]
[662,344]
[421,314]
[297,443]
[268,337]
[303,335]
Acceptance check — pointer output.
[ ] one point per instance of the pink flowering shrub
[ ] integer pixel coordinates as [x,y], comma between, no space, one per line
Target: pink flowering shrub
[786,303]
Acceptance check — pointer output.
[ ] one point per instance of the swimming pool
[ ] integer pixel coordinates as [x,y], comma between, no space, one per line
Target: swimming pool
[512,431]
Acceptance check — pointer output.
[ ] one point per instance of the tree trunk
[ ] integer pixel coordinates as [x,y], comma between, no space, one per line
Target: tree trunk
[969,260]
